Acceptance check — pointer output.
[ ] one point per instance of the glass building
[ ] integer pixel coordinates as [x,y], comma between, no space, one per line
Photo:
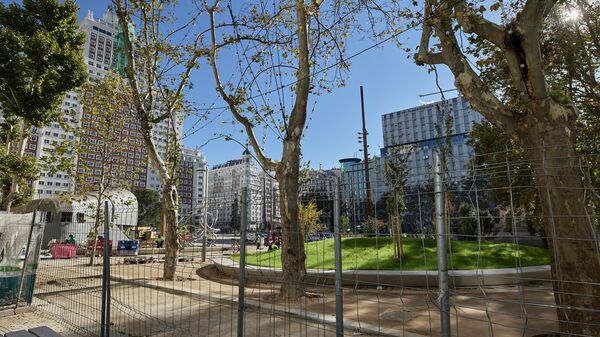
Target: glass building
[422,130]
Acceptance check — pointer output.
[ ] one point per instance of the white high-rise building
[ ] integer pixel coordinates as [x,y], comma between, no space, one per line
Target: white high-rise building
[191,182]
[225,184]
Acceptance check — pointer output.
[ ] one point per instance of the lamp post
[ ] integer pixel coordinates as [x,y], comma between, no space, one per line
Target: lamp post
[205,216]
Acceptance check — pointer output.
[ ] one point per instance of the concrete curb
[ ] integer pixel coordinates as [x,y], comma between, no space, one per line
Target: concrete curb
[426,278]
[16,311]
[316,317]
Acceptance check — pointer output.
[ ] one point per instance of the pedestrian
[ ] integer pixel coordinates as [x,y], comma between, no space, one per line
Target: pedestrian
[277,243]
[159,241]
[257,242]
[71,240]
[270,241]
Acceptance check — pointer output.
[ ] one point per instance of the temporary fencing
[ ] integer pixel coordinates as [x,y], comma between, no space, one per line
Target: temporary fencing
[382,274]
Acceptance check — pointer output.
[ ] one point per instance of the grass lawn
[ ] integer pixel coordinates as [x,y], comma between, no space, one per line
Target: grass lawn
[419,254]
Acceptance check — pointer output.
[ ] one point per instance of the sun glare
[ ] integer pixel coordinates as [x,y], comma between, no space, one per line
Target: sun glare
[572,15]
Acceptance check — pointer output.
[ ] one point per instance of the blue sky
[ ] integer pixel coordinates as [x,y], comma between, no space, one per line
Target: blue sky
[391,82]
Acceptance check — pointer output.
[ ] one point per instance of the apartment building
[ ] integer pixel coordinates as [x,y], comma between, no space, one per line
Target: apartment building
[225,184]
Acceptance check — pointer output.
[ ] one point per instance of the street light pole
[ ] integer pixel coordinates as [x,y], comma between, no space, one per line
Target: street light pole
[205,195]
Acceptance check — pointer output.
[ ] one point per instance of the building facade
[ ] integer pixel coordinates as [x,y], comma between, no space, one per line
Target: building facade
[353,188]
[132,162]
[271,217]
[192,173]
[320,187]
[420,131]
[225,184]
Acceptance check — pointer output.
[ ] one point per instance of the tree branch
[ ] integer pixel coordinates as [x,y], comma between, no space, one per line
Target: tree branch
[424,56]
[237,39]
[527,24]
[466,79]
[471,22]
[298,116]
[266,162]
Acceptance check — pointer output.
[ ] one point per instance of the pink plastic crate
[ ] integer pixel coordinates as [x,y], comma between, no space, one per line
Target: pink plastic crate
[64,251]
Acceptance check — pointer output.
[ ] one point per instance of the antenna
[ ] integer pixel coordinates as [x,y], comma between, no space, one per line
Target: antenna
[437,92]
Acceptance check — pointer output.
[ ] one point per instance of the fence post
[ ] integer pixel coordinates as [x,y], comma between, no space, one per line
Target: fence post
[337,237]
[105,323]
[28,247]
[441,246]
[205,216]
[242,280]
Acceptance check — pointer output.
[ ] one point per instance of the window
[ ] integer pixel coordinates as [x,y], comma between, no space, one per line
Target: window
[80,217]
[66,216]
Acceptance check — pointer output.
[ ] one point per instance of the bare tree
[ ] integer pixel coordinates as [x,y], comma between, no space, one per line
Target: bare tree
[289,40]
[395,170]
[542,122]
[158,62]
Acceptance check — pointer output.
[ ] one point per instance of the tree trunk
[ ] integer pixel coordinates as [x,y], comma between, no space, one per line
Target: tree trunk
[572,242]
[292,254]
[96,230]
[400,243]
[171,245]
[394,236]
[8,199]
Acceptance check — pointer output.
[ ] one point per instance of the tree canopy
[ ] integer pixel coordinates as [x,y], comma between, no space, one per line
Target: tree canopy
[41,57]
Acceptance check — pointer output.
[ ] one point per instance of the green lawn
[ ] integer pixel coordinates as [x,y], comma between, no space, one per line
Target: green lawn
[419,254]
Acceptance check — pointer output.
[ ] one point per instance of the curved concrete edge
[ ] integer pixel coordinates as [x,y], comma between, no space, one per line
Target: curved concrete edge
[395,278]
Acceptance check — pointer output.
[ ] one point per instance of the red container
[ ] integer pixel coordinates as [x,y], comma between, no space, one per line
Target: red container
[99,246]
[64,251]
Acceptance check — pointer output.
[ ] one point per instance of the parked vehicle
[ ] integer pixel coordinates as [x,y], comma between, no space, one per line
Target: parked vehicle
[326,235]
[313,237]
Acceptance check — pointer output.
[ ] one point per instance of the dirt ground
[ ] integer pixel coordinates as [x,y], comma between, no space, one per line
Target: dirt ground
[35,319]
[200,302]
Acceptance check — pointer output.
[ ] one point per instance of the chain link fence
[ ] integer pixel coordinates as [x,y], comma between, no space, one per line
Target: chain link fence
[466,253]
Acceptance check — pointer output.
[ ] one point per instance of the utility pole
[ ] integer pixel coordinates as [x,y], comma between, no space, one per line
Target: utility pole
[366,153]
[205,215]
